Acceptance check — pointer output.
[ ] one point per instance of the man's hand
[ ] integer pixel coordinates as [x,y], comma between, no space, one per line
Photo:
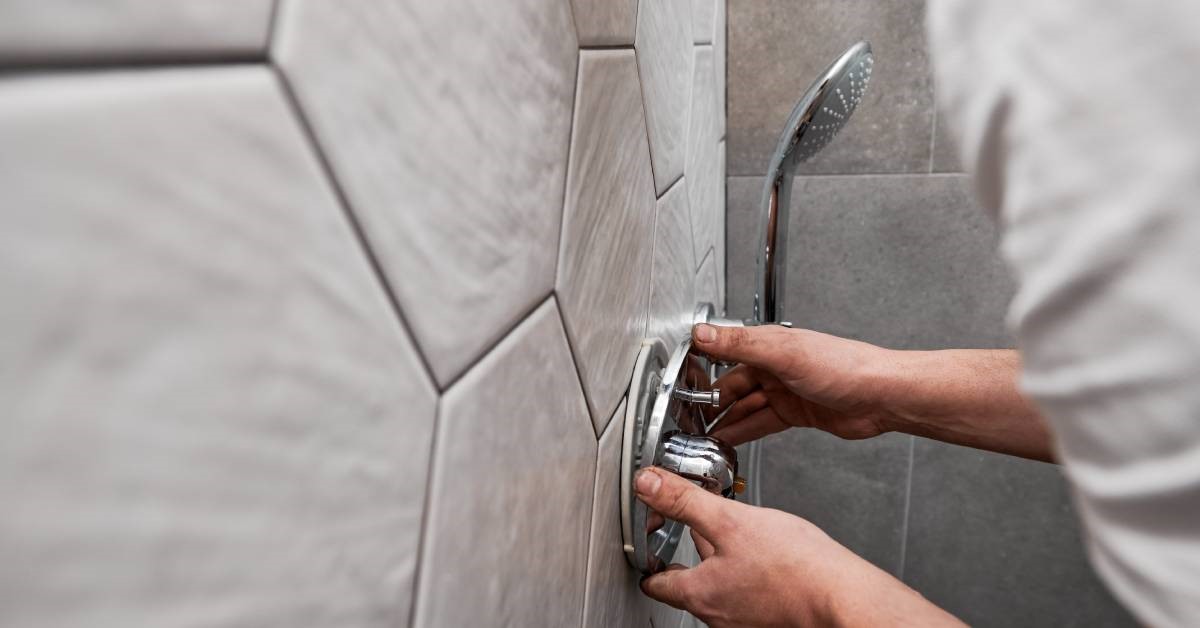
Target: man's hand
[796,378]
[764,567]
[801,378]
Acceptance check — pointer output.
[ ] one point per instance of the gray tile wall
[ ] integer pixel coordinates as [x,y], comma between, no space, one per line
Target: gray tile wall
[337,331]
[888,246]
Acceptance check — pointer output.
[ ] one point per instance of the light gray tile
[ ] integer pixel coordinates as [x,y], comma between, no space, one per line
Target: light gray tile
[672,293]
[903,261]
[605,22]
[216,419]
[706,280]
[455,169]
[720,65]
[614,597]
[702,168]
[608,227]
[67,31]
[994,540]
[778,47]
[945,148]
[664,54]
[853,490]
[722,195]
[507,528]
[703,14]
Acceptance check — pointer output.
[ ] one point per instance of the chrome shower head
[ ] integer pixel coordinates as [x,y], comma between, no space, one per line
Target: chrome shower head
[817,117]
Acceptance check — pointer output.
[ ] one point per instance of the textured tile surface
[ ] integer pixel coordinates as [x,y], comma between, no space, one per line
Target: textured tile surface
[454,168]
[703,14]
[993,539]
[66,31]
[702,169]
[720,65]
[506,540]
[721,227]
[853,490]
[608,226]
[605,22]
[613,595]
[910,262]
[664,55]
[672,295]
[778,47]
[214,400]
[945,148]
[707,285]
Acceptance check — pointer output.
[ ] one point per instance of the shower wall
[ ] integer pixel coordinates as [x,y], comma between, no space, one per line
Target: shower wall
[322,313]
[888,246]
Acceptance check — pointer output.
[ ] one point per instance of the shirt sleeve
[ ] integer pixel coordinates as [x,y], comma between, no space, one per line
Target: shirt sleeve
[1080,121]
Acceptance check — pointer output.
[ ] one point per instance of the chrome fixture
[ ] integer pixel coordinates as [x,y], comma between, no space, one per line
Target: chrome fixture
[819,114]
[665,426]
[816,118]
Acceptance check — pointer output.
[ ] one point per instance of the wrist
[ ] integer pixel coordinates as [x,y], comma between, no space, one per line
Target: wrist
[890,386]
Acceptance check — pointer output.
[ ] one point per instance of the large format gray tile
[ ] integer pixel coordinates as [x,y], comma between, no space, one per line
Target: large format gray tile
[68,31]
[703,18]
[664,54]
[608,227]
[906,261]
[672,294]
[614,597]
[506,536]
[994,540]
[212,415]
[702,169]
[853,490]
[454,166]
[605,22]
[777,47]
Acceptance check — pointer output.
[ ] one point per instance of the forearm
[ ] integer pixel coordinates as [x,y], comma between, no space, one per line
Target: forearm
[964,397]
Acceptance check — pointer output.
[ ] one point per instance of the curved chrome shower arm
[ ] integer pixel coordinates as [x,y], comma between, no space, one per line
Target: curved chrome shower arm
[800,140]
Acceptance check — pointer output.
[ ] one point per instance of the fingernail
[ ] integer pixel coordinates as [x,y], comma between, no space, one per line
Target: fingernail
[648,482]
[706,333]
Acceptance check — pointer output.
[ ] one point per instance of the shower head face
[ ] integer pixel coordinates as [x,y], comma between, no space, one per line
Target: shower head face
[827,105]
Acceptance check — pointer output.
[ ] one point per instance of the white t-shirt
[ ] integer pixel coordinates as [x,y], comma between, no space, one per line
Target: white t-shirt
[1080,120]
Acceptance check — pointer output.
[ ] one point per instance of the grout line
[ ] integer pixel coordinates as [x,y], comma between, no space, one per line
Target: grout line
[859,175]
[273,25]
[422,532]
[562,320]
[912,443]
[356,227]
[119,63]
[637,67]
[670,186]
[562,205]
[608,47]
[491,346]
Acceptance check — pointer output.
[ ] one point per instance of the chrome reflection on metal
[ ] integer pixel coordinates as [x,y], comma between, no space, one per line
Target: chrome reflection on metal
[665,427]
[815,120]
[706,461]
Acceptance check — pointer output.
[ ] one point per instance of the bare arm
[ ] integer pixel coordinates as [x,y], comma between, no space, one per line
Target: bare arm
[801,378]
[965,397]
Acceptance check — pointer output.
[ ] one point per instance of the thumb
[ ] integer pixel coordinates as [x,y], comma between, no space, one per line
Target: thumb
[764,346]
[670,586]
[677,498]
